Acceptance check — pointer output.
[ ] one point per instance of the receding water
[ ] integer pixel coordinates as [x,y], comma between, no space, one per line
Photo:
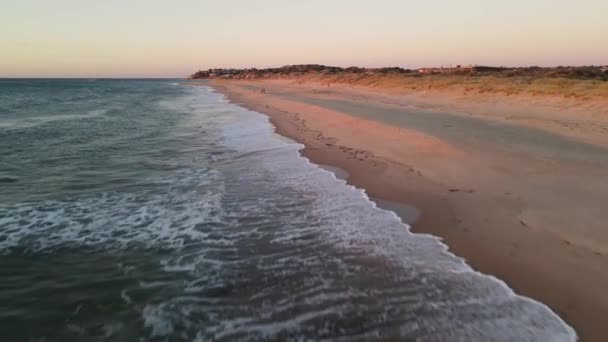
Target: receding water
[154,211]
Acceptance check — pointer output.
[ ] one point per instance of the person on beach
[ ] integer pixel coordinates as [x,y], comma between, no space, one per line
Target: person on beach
[263,91]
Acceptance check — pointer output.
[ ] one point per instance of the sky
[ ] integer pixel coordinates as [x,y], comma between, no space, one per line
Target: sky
[162,38]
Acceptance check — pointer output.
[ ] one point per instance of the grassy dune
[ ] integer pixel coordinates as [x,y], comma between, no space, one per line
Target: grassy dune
[584,83]
[476,84]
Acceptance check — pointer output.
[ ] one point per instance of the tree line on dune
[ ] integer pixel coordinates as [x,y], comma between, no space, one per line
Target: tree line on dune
[599,73]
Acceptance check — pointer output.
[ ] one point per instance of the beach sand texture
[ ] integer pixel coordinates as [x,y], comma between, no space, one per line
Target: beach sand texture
[517,185]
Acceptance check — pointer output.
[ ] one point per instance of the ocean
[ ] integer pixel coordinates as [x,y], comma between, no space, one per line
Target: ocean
[156,210]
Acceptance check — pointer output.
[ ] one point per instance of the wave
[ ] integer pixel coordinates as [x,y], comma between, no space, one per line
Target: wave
[21,123]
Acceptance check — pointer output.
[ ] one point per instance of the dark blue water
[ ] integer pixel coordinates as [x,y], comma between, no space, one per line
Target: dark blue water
[156,211]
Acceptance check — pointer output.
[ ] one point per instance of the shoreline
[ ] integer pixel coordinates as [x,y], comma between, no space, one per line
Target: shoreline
[527,259]
[408,214]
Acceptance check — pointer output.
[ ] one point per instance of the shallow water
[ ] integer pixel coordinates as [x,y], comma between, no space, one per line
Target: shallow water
[147,210]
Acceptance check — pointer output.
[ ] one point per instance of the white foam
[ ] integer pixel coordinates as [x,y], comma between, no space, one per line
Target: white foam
[115,220]
[125,297]
[157,320]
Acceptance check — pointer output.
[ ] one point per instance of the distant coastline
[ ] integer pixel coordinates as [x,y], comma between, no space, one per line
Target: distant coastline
[580,72]
[586,82]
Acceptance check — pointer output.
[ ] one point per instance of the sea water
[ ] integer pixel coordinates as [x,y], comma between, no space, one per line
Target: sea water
[154,210]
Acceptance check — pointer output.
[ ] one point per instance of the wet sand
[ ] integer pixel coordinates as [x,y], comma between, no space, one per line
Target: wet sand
[523,200]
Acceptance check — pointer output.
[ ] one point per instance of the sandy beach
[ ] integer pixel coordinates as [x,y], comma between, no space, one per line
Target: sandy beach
[516,185]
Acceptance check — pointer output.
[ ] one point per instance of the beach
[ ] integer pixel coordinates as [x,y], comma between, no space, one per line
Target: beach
[152,210]
[514,184]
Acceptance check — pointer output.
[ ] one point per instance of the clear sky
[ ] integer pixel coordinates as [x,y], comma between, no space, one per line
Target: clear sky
[173,38]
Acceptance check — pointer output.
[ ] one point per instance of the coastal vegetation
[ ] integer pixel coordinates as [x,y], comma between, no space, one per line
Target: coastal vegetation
[579,82]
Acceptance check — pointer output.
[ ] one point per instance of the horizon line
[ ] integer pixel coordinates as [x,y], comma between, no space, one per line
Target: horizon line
[285,65]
